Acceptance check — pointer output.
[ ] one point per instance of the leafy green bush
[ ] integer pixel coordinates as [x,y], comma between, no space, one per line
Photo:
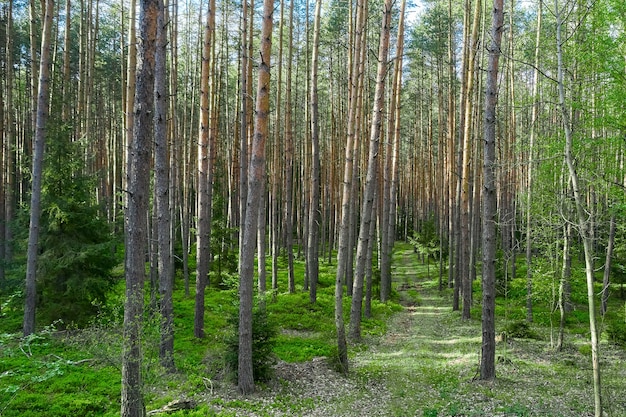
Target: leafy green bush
[264,333]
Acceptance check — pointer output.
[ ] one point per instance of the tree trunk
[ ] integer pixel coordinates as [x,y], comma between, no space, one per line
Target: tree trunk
[288,220]
[607,266]
[370,180]
[488,351]
[10,144]
[256,176]
[137,211]
[346,193]
[162,186]
[531,165]
[203,234]
[30,295]
[581,212]
[390,194]
[566,273]
[465,220]
[245,93]
[314,207]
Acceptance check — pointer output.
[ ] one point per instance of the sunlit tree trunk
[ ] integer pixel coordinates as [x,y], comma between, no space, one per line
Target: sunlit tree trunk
[346,193]
[203,234]
[390,191]
[465,220]
[370,180]
[451,150]
[256,176]
[30,292]
[288,220]
[137,212]
[277,166]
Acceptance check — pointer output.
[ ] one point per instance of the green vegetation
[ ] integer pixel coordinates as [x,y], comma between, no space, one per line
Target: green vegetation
[417,360]
[78,371]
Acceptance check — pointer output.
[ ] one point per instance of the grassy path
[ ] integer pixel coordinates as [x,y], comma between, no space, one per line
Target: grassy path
[428,362]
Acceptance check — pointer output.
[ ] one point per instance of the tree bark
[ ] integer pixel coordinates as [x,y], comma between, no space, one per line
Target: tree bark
[137,212]
[314,207]
[488,351]
[582,224]
[256,176]
[162,185]
[370,181]
[465,220]
[607,266]
[30,296]
[531,166]
[288,220]
[203,234]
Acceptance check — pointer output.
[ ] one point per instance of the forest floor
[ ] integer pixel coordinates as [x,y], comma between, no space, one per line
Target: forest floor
[426,364]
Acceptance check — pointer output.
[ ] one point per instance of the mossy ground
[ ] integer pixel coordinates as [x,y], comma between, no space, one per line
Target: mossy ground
[417,360]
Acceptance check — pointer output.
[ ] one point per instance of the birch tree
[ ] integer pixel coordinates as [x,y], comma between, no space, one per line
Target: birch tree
[580,203]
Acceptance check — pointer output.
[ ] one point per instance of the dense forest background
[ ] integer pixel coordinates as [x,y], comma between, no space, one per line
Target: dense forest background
[197,138]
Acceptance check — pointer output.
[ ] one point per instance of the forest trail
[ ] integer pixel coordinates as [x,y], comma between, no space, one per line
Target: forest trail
[426,364]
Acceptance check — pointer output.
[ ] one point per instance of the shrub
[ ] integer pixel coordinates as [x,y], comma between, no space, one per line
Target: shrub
[520,329]
[264,333]
[616,329]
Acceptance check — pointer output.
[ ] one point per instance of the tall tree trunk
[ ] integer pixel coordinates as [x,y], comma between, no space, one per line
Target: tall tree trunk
[451,150]
[256,176]
[582,223]
[30,295]
[245,93]
[346,193]
[131,71]
[276,161]
[137,212]
[203,234]
[314,208]
[488,351]
[531,166]
[388,220]
[289,159]
[370,180]
[10,144]
[465,220]
[162,186]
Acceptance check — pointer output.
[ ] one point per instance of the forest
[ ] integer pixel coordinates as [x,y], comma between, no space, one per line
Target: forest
[309,207]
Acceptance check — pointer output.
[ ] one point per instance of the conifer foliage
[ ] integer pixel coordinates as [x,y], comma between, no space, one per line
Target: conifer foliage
[77,248]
